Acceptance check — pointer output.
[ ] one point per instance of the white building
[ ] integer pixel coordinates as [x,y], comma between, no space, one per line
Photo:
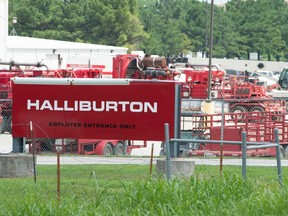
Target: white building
[58,54]
[55,54]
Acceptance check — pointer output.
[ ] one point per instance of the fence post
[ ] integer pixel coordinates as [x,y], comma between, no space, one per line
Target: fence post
[222,136]
[167,142]
[276,134]
[244,154]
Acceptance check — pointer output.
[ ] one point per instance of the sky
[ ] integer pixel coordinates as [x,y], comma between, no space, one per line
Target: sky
[220,1]
[217,1]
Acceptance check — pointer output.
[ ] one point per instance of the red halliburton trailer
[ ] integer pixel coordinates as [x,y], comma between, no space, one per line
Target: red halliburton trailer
[100,116]
[259,128]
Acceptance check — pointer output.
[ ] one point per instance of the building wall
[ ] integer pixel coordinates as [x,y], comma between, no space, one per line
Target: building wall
[241,65]
[59,58]
[3,28]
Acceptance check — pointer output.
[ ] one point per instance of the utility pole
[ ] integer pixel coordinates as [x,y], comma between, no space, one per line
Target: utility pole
[210,49]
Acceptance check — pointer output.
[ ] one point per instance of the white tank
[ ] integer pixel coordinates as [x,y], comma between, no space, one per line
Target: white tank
[214,107]
[191,105]
[218,107]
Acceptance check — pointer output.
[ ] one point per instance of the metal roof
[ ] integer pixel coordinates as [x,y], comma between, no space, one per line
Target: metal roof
[19,42]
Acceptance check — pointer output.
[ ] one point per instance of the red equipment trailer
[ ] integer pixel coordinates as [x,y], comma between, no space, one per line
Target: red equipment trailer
[250,108]
[31,70]
[259,128]
[240,93]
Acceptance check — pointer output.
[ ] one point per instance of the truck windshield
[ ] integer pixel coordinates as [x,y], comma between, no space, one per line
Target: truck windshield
[283,79]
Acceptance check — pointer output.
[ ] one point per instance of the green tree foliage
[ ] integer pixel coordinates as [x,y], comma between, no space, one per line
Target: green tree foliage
[165,23]
[52,19]
[258,24]
[109,22]
[163,27]
[113,22]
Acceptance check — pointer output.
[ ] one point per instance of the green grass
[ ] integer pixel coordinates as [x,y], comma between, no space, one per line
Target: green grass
[130,190]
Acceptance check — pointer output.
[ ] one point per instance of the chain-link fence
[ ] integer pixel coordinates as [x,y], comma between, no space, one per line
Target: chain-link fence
[226,122]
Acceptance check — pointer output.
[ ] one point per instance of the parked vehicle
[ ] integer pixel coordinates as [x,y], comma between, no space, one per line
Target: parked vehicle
[240,96]
[267,73]
[267,77]
[233,72]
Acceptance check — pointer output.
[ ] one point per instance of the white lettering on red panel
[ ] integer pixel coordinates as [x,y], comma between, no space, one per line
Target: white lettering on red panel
[96,106]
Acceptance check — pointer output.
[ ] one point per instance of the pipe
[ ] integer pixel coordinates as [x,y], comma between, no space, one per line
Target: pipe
[18,64]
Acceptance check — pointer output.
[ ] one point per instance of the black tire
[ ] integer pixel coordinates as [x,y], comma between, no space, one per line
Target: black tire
[6,124]
[257,109]
[238,109]
[254,112]
[119,149]
[48,145]
[1,126]
[283,152]
[184,153]
[107,150]
[4,121]
[9,125]
[162,153]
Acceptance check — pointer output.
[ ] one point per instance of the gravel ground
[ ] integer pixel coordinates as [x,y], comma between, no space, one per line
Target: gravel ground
[138,156]
[147,160]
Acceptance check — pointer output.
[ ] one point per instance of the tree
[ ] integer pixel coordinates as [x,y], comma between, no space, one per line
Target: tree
[95,21]
[114,23]
[257,23]
[163,27]
[51,19]
[165,23]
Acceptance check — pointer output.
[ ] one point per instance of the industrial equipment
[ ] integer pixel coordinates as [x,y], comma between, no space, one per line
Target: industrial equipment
[246,102]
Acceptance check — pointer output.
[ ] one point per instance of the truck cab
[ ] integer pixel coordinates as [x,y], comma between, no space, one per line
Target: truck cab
[283,79]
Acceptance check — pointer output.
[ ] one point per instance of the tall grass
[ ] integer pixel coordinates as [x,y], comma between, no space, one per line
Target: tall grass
[130,190]
[228,195]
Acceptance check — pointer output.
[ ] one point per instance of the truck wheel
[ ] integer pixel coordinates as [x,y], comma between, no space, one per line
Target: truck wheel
[285,151]
[257,110]
[282,152]
[6,124]
[108,150]
[119,149]
[9,124]
[48,145]
[1,127]
[237,110]
[162,153]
